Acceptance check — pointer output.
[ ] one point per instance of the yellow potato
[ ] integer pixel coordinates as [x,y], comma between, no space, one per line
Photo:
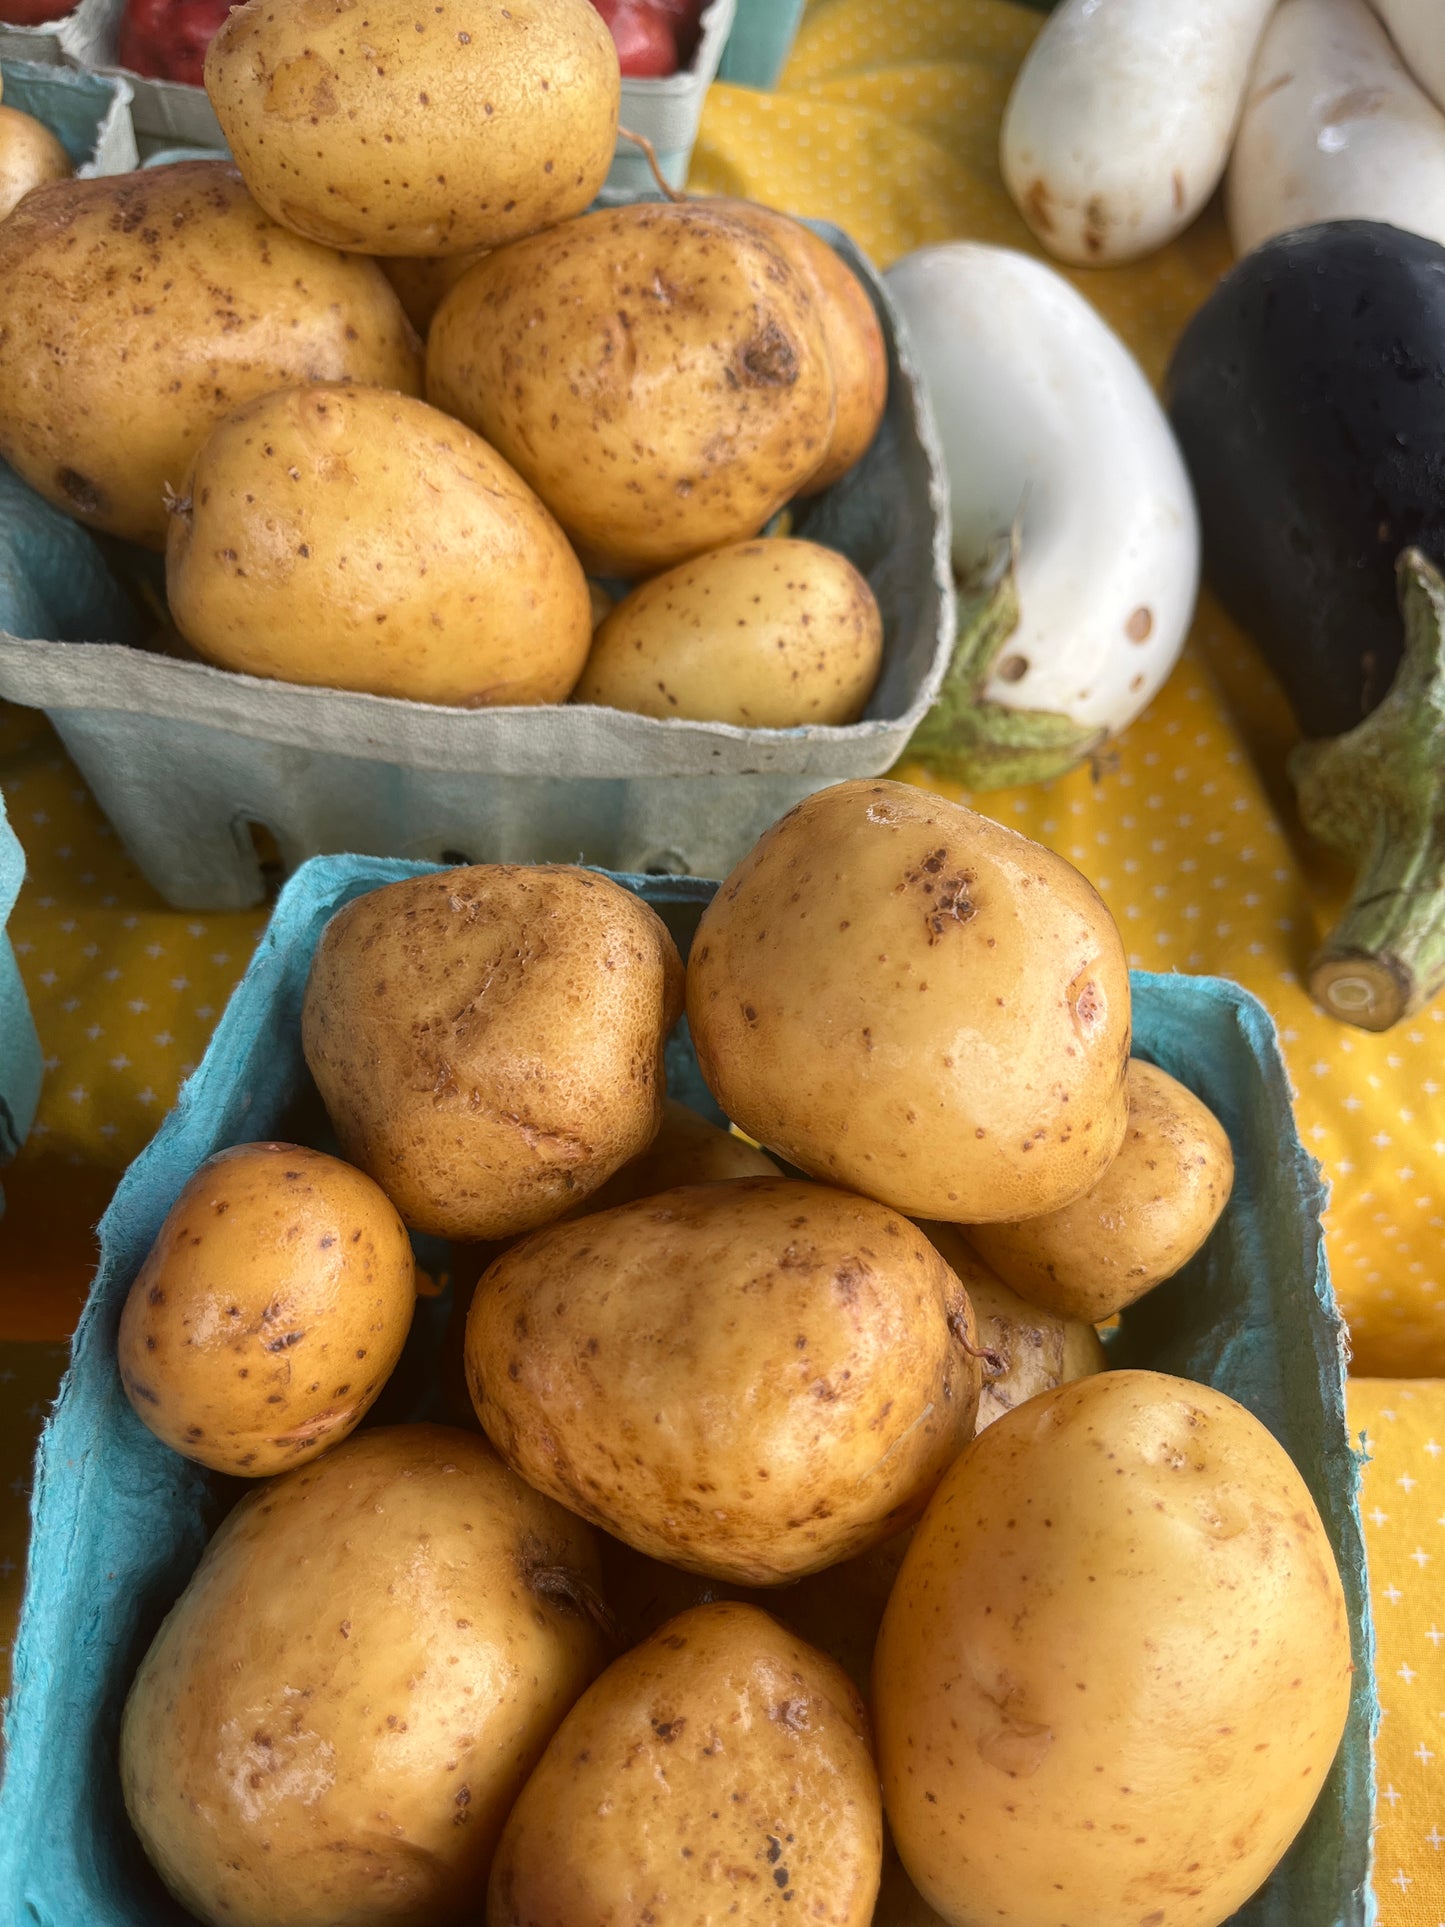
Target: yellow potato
[720,1773]
[1030,1350]
[421,280]
[417,130]
[138,311]
[1145,1218]
[657,372]
[359,539]
[753,1380]
[768,634]
[686,1150]
[488,1041]
[904,998]
[1115,1667]
[30,155]
[856,348]
[336,1716]
[270,1312]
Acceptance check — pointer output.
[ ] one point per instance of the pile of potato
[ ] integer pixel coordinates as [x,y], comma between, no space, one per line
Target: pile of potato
[223,361]
[806,1500]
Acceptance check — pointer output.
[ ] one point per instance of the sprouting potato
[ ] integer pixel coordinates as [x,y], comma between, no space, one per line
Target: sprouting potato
[721,1771]
[904,998]
[428,130]
[753,1379]
[1144,1219]
[768,634]
[270,1312]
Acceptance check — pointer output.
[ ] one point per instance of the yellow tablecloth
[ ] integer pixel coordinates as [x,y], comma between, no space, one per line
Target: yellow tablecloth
[886,122]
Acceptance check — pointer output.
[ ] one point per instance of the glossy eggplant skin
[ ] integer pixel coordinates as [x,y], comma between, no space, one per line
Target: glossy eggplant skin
[1308,395]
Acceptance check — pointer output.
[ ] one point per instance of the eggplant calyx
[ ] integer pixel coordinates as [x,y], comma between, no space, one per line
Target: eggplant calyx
[1377,794]
[984,744]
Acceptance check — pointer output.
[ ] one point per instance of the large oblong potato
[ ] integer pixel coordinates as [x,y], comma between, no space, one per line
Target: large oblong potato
[1145,1218]
[1115,1666]
[138,311]
[30,155]
[1029,1350]
[488,1041]
[752,1380]
[337,1714]
[769,634]
[904,998]
[857,351]
[270,1311]
[359,539]
[417,130]
[657,372]
[720,1772]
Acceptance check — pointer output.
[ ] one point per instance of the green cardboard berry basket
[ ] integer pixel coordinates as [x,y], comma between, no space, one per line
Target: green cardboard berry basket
[119,1521]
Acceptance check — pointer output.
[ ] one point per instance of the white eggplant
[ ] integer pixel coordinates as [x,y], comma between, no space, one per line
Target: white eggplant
[1334,129]
[1075,539]
[1120,120]
[1417,28]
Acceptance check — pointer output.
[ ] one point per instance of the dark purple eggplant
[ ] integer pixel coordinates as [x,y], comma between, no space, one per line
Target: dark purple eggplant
[1308,395]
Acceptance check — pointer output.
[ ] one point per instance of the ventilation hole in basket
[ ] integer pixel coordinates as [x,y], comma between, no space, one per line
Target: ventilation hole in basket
[665,863]
[457,858]
[268,856]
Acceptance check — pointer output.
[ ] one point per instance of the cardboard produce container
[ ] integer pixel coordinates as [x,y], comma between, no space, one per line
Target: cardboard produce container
[89,114]
[20,1066]
[120,1520]
[191,763]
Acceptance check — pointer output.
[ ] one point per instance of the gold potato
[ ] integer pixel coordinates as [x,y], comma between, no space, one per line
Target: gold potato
[359,539]
[1029,1350]
[270,1312]
[1115,1667]
[719,1773]
[336,1716]
[488,1041]
[857,351]
[421,280]
[30,155]
[657,372]
[904,998]
[686,1150]
[138,311]
[1145,1218]
[752,1380]
[417,130]
[769,634]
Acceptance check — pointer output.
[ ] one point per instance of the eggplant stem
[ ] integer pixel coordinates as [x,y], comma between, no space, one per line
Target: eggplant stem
[1377,794]
[983,744]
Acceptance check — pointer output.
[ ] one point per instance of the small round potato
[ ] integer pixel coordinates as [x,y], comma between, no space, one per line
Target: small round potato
[335,1718]
[30,155]
[769,634]
[417,130]
[856,348]
[138,311]
[686,1150]
[421,280]
[904,998]
[270,1312]
[1144,1219]
[658,373]
[1029,1350]
[488,1041]
[752,1380]
[358,539]
[1115,1667]
[720,1772]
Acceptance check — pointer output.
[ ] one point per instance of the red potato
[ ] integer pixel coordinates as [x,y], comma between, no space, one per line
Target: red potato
[645,38]
[33,13]
[167,39]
